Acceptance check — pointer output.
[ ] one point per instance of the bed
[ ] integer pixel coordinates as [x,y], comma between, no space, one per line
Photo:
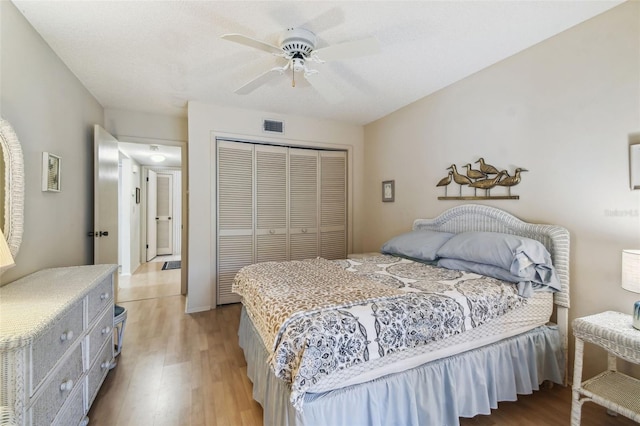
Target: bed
[406,342]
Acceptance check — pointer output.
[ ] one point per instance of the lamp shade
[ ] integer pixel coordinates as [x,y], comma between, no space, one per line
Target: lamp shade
[631,270]
[6,260]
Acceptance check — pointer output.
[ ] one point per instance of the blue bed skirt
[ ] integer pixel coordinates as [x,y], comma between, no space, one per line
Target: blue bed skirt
[435,393]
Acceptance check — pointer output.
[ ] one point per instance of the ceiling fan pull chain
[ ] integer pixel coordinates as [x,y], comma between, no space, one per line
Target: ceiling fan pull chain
[293,75]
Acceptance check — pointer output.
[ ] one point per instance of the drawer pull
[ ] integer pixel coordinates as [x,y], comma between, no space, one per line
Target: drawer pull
[304,230]
[272,231]
[66,386]
[67,336]
[104,296]
[106,330]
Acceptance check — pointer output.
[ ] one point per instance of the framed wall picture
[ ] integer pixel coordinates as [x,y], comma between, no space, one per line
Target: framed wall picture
[51,172]
[634,166]
[388,191]
[137,195]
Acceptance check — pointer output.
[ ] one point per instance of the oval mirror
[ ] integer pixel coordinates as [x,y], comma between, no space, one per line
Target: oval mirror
[12,180]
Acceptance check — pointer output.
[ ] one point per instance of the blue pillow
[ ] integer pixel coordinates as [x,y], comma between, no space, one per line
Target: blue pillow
[523,257]
[418,245]
[525,287]
[478,268]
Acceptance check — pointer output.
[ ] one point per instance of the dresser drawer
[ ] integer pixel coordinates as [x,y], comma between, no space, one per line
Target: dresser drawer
[73,411]
[58,389]
[99,370]
[102,331]
[50,347]
[100,297]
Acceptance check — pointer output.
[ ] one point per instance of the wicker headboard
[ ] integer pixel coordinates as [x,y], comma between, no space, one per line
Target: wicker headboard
[475,217]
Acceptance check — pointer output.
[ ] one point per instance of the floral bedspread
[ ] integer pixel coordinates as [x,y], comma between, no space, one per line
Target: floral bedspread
[319,316]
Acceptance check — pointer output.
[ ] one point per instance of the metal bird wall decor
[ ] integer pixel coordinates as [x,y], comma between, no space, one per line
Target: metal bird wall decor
[486,177]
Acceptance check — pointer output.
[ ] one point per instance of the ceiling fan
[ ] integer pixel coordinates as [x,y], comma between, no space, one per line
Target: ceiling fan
[298,47]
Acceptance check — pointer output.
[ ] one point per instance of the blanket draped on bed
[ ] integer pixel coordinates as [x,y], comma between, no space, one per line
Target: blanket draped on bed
[317,317]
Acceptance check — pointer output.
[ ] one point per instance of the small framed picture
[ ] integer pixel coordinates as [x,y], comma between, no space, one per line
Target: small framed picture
[50,172]
[388,190]
[137,195]
[634,165]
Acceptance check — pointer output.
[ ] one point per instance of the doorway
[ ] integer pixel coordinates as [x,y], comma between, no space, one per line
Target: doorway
[163,217]
[150,213]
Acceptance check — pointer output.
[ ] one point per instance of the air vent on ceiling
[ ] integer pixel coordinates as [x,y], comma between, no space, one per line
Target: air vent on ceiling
[273,126]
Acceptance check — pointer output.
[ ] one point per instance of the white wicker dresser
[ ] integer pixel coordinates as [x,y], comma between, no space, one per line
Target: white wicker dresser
[616,391]
[56,344]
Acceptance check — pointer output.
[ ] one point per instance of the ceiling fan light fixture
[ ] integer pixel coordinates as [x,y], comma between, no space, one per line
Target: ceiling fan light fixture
[298,47]
[297,64]
[156,157]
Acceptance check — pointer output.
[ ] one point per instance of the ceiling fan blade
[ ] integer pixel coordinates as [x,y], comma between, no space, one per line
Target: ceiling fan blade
[351,49]
[327,90]
[328,19]
[259,81]
[252,42]
[289,15]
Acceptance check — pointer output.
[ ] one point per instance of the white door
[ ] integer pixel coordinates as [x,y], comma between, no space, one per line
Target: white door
[164,213]
[235,214]
[333,204]
[152,204]
[303,202]
[271,203]
[106,173]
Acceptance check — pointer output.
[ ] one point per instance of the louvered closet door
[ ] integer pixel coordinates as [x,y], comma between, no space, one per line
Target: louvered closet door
[235,214]
[303,204]
[271,203]
[333,205]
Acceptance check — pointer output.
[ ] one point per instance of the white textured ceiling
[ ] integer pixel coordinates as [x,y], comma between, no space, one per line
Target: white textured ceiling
[155,56]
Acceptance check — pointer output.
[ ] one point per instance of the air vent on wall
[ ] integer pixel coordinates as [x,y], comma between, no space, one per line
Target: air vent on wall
[273,126]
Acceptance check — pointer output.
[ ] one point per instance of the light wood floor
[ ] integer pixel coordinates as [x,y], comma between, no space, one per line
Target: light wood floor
[147,282]
[179,369]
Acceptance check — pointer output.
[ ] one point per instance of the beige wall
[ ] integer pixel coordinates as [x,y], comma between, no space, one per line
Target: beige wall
[565,109]
[208,121]
[50,110]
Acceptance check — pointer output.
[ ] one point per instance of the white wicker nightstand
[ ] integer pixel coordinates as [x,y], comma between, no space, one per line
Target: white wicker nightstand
[617,392]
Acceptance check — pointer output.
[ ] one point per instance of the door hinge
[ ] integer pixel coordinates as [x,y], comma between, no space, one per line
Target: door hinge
[147,246]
